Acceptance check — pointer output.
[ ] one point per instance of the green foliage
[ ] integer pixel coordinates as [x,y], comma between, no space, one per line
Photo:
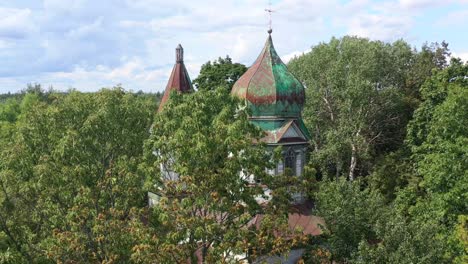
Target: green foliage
[460,238]
[424,183]
[392,172]
[220,73]
[75,167]
[355,104]
[70,178]
[432,56]
[206,138]
[427,223]
[438,138]
[403,241]
[9,110]
[443,157]
[349,212]
[433,93]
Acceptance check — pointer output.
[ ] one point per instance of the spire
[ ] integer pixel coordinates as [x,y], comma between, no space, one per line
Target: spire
[179,54]
[179,80]
[269,10]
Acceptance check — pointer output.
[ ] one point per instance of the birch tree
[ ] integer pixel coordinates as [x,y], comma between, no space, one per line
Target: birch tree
[357,106]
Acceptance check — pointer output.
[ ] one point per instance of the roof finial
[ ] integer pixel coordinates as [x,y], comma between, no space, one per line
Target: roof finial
[179,54]
[269,10]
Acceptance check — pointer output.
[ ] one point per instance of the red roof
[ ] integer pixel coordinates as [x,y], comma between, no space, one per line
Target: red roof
[299,218]
[179,80]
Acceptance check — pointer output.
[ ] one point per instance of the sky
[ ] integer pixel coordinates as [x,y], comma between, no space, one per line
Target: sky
[91,44]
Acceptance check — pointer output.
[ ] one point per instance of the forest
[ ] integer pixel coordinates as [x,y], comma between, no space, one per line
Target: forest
[387,166]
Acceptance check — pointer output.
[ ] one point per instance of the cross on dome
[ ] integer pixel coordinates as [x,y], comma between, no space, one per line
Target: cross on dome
[269,10]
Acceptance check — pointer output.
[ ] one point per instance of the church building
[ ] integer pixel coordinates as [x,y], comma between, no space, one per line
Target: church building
[179,81]
[276,98]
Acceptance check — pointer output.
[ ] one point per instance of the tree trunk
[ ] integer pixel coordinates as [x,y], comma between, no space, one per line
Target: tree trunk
[338,168]
[353,163]
[204,253]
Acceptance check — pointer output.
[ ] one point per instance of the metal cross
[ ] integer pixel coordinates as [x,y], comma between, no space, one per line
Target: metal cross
[269,10]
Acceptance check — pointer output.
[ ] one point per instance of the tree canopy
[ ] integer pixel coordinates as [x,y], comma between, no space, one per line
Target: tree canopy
[387,170]
[360,96]
[423,218]
[69,175]
[219,73]
[207,211]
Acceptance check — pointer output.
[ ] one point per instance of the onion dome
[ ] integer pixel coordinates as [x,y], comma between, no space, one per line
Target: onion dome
[179,80]
[269,88]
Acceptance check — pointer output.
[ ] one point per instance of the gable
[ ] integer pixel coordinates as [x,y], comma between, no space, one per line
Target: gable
[280,131]
[292,132]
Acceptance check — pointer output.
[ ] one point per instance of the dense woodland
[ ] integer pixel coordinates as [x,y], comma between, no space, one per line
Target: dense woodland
[387,171]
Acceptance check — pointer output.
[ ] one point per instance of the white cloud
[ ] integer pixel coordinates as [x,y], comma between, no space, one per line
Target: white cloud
[132,75]
[425,4]
[127,70]
[87,29]
[10,84]
[88,44]
[68,5]
[15,23]
[416,4]
[461,55]
[286,58]
[241,47]
[4,44]
[380,27]
[240,44]
[456,18]
[131,24]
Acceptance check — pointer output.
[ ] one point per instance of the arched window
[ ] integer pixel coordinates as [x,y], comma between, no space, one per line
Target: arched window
[290,160]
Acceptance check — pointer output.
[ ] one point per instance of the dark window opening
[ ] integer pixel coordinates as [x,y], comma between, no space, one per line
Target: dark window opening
[290,160]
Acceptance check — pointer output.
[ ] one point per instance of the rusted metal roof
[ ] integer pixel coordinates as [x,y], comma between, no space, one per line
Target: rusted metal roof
[179,80]
[300,217]
[269,88]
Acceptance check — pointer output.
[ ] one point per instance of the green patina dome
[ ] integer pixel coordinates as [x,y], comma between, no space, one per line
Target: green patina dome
[269,88]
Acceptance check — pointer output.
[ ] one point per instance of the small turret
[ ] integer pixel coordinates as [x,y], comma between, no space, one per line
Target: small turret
[179,80]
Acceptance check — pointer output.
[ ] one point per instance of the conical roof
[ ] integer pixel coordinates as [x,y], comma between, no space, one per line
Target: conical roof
[269,88]
[179,80]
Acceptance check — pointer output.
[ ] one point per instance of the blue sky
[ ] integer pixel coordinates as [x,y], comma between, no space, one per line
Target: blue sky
[90,44]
